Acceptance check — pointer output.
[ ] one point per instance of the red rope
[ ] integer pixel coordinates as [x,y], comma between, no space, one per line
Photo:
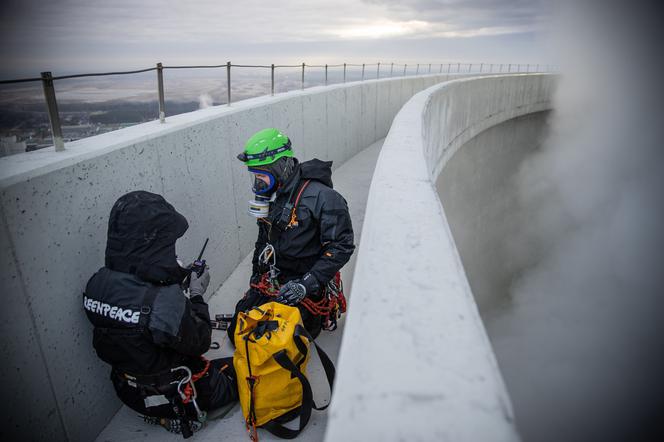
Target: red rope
[330,306]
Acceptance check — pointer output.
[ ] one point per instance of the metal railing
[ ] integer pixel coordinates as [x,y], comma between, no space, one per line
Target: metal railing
[47,80]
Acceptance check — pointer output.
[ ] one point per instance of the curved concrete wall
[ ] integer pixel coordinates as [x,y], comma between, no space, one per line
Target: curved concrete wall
[478,190]
[53,229]
[415,361]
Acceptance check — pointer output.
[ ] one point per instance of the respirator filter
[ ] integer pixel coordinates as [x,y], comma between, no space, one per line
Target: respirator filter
[259,207]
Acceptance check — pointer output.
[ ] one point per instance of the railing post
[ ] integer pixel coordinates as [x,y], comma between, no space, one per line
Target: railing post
[537,68]
[509,68]
[302,76]
[344,72]
[53,114]
[470,67]
[417,70]
[449,66]
[272,78]
[481,67]
[378,71]
[362,71]
[441,69]
[458,68]
[228,81]
[326,75]
[429,69]
[527,68]
[160,90]
[404,69]
[391,69]
[491,68]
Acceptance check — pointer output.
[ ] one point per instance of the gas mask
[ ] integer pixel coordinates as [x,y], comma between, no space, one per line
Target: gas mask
[264,186]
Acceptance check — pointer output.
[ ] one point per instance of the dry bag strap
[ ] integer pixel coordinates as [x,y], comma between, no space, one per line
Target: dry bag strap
[307,396]
[307,400]
[328,366]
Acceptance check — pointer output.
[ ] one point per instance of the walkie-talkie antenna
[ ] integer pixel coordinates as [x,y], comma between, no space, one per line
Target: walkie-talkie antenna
[197,266]
[200,255]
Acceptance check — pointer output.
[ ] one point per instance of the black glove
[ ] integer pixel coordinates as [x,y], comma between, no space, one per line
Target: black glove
[310,283]
[293,292]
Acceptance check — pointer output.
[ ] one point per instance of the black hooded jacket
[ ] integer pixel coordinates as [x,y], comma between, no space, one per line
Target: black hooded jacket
[143,323]
[320,241]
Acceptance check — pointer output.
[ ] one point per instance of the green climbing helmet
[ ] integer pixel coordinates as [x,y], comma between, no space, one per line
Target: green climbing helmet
[265,147]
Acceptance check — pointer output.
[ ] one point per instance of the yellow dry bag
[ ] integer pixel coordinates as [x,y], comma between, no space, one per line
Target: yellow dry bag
[271,355]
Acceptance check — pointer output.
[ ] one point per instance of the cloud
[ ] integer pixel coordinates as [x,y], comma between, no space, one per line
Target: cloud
[62,35]
[466,16]
[584,318]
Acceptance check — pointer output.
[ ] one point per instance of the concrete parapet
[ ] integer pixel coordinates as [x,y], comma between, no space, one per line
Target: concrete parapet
[54,213]
[415,361]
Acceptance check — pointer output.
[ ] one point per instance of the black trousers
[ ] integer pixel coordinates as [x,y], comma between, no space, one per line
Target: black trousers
[215,389]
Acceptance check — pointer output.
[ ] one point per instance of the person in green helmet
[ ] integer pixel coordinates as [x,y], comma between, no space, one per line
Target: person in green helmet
[305,234]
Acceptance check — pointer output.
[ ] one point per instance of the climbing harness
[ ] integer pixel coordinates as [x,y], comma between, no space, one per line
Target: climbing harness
[155,390]
[333,302]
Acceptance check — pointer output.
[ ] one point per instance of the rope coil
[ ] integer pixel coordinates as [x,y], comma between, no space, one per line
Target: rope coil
[330,307]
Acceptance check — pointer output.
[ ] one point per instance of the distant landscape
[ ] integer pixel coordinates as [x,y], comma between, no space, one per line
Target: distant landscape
[91,106]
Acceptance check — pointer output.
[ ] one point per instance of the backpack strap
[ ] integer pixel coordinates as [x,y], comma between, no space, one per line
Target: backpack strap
[146,307]
[307,396]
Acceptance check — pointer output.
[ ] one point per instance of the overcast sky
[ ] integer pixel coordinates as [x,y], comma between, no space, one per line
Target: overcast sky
[90,35]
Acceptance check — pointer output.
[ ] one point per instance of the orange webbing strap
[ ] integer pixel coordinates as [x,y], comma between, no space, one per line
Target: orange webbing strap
[293,218]
[299,195]
[250,423]
[194,377]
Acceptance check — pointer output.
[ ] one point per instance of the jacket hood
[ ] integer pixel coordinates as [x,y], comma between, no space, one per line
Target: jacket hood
[142,231]
[317,170]
[309,170]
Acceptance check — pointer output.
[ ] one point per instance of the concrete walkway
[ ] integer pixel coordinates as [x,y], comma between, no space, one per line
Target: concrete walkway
[352,180]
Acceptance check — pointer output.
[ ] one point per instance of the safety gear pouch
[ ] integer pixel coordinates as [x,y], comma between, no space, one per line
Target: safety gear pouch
[271,357]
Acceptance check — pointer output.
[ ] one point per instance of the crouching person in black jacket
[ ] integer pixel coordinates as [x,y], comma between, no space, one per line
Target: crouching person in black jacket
[146,328]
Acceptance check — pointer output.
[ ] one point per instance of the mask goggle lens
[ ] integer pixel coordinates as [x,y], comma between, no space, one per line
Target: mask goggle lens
[264,181]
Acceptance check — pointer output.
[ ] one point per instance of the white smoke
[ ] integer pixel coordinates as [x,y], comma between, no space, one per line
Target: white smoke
[593,202]
[205,101]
